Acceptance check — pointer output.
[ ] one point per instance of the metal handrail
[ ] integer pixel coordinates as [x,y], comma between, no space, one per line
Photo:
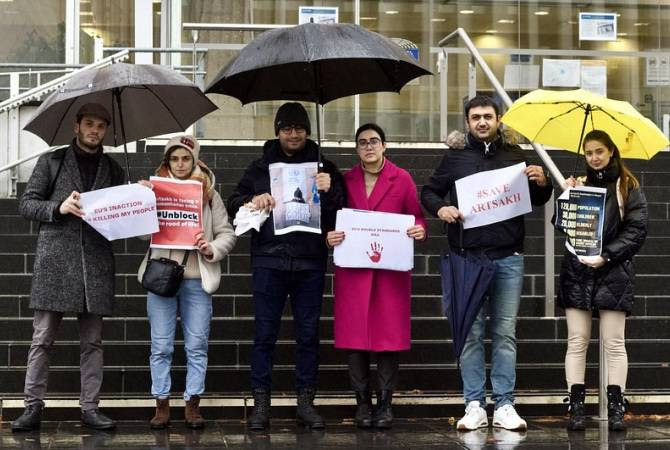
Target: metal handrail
[190,26]
[27,158]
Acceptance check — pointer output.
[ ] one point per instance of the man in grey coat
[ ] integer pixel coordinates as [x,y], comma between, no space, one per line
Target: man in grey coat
[74,264]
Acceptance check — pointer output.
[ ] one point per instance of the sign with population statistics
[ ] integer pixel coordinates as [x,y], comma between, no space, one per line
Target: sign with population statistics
[580,214]
[374,240]
[121,212]
[493,196]
[179,210]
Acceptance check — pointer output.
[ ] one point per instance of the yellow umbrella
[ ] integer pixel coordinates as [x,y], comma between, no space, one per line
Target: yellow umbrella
[555,118]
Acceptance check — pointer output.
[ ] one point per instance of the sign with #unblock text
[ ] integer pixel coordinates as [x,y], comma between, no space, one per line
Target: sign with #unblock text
[179,210]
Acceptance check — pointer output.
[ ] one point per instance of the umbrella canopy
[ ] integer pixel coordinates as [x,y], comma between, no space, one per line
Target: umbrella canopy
[317,63]
[556,117]
[465,280]
[144,100]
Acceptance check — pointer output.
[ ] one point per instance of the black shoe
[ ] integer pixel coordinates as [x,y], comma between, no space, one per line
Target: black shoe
[576,408]
[259,419]
[383,418]
[305,414]
[93,418]
[30,419]
[363,417]
[616,408]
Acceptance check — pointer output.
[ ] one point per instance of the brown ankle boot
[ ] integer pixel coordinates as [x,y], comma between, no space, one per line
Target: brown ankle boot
[192,413]
[162,418]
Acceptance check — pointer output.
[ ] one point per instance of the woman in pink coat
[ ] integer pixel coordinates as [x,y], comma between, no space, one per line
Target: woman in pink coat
[372,306]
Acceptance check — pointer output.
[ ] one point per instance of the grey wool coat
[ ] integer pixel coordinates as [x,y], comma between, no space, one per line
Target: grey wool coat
[74,264]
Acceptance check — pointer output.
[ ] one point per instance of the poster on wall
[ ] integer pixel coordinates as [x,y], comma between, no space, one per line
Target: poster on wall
[561,72]
[525,77]
[594,76]
[597,26]
[658,70]
[297,201]
[317,14]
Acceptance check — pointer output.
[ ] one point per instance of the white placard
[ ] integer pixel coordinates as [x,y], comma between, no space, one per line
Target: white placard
[121,211]
[560,72]
[594,76]
[522,76]
[597,26]
[317,14]
[493,196]
[297,201]
[658,70]
[374,240]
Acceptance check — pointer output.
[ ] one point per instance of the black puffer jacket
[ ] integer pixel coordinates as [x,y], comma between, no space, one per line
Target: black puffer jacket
[293,251]
[611,286]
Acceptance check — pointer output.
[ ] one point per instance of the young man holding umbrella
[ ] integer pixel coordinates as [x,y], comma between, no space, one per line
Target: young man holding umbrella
[292,264]
[484,148]
[74,264]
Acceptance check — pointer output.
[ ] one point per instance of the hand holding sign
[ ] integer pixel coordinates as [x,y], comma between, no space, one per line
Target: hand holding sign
[71,205]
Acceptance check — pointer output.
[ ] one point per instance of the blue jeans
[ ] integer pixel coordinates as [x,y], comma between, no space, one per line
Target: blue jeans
[504,296]
[194,306]
[271,287]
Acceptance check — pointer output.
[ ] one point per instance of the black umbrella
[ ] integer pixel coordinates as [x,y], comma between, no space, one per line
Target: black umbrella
[317,63]
[465,280]
[143,99]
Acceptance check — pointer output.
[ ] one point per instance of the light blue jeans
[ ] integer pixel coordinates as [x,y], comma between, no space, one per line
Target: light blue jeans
[504,296]
[194,306]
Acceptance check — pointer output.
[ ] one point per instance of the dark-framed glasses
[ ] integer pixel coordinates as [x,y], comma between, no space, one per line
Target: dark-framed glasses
[297,128]
[372,142]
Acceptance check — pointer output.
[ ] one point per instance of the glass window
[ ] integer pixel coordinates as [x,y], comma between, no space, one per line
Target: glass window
[113,21]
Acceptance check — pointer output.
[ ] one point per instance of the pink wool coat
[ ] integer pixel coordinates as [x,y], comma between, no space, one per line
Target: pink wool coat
[372,306]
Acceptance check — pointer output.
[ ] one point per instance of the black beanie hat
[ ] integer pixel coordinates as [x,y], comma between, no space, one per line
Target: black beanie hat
[290,114]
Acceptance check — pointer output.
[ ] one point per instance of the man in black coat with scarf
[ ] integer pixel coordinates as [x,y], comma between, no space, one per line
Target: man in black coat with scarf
[74,264]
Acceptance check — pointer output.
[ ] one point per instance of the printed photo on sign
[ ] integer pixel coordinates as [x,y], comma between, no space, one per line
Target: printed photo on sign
[374,240]
[121,212]
[297,201]
[493,196]
[580,215]
[179,210]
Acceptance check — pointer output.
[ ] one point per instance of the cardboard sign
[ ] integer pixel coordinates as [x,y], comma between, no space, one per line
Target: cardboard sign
[120,212]
[374,240]
[179,209]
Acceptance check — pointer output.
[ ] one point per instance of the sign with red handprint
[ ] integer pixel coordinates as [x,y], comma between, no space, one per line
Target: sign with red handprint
[374,240]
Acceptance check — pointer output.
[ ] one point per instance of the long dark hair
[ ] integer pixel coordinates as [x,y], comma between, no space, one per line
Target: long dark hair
[628,180]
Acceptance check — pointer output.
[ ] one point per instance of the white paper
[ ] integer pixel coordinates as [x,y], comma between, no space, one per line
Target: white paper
[297,201]
[597,26]
[594,76]
[525,77]
[493,196]
[374,240]
[658,70]
[121,211]
[317,14]
[561,72]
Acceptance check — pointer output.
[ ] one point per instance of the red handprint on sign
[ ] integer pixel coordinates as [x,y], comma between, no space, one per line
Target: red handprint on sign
[377,250]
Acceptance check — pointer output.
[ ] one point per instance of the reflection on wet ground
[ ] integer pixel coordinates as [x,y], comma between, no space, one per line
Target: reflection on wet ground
[542,433]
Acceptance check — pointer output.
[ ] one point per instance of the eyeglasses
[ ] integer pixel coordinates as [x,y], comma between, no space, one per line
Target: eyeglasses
[297,128]
[373,142]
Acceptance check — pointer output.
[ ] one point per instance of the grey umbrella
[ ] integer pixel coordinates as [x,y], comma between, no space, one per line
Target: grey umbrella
[317,63]
[144,100]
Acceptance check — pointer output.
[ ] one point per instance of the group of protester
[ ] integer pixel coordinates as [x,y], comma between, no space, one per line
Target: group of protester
[74,271]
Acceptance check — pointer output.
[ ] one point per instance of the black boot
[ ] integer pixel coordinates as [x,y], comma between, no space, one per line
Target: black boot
[576,408]
[383,417]
[305,413]
[615,408]
[363,416]
[30,419]
[93,418]
[259,419]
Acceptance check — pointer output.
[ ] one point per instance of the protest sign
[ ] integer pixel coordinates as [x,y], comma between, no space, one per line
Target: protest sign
[297,201]
[179,209]
[493,196]
[580,214]
[120,212]
[374,240]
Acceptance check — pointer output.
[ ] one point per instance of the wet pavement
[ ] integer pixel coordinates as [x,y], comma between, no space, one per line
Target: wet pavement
[542,433]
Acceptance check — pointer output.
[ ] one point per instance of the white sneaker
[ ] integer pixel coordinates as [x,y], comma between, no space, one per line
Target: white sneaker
[507,418]
[475,417]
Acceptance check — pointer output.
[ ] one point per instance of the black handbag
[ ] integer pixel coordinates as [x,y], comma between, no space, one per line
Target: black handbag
[163,276]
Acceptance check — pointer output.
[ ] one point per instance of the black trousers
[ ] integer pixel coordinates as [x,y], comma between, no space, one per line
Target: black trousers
[387,370]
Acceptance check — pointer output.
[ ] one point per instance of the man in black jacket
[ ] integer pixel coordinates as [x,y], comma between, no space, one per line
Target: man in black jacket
[291,264]
[484,148]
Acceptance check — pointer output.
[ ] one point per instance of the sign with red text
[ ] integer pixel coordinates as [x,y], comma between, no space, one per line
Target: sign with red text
[120,212]
[179,210]
[374,240]
[493,196]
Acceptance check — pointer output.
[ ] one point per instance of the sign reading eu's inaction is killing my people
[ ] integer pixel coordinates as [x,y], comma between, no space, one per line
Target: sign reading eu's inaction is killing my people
[120,212]
[493,196]
[179,210]
[297,201]
[374,240]
[580,214]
